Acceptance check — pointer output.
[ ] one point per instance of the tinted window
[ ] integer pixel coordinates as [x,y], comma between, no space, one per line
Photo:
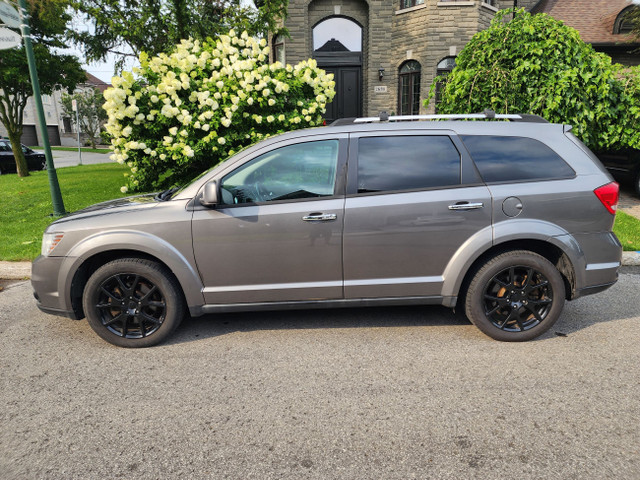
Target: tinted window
[303,170]
[507,159]
[407,163]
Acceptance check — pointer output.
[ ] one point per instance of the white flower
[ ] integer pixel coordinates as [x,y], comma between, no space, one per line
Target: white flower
[173,131]
[271,102]
[221,140]
[124,189]
[270,118]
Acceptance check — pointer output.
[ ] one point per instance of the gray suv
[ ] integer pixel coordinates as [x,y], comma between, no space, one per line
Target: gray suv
[503,219]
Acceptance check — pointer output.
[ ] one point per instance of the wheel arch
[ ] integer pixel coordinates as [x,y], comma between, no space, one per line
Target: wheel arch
[88,256]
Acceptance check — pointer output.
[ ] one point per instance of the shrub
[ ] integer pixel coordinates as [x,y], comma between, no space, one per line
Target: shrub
[186,111]
[535,64]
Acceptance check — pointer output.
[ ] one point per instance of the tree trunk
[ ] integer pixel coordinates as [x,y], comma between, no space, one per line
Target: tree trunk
[21,162]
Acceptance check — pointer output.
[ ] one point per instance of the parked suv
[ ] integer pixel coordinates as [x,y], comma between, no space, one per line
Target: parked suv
[505,220]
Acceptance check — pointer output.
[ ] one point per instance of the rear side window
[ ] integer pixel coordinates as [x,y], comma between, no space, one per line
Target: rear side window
[509,159]
[407,163]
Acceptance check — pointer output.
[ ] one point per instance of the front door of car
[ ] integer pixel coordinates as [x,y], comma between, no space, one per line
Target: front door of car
[413,199]
[276,234]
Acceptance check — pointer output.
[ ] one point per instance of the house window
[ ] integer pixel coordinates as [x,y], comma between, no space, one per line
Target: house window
[410,3]
[624,21]
[444,68]
[409,88]
[278,49]
[337,34]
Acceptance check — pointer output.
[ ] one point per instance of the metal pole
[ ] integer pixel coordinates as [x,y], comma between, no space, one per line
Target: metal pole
[79,149]
[54,186]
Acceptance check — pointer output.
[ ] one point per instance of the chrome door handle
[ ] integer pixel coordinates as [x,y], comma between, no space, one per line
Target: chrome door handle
[466,206]
[319,217]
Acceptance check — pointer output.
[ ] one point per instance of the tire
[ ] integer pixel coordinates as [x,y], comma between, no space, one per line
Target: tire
[133,302]
[516,296]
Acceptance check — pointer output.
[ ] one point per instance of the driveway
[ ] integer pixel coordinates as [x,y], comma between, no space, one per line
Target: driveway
[389,393]
[63,158]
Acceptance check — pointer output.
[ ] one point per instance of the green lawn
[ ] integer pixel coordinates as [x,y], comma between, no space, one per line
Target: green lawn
[25,203]
[627,228]
[75,149]
[25,206]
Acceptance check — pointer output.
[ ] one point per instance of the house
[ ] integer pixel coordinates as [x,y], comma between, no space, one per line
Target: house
[602,23]
[61,129]
[384,54]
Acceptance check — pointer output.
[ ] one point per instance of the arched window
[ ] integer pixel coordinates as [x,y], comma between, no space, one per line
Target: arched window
[444,68]
[337,34]
[278,49]
[409,88]
[624,22]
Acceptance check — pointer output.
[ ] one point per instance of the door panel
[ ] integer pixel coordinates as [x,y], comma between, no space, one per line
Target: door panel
[400,244]
[268,253]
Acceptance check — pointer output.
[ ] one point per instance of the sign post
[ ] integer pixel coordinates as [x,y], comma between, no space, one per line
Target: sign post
[74,107]
[54,186]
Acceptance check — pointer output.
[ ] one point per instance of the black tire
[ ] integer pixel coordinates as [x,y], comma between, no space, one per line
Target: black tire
[516,296]
[133,302]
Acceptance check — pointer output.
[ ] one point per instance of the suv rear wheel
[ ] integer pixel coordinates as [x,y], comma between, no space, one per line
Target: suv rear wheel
[516,296]
[132,302]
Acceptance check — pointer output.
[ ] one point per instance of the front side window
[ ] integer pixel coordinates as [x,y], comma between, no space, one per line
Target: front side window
[409,88]
[514,159]
[303,170]
[407,163]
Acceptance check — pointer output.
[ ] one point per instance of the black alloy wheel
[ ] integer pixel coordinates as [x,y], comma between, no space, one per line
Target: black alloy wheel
[133,302]
[516,296]
[130,305]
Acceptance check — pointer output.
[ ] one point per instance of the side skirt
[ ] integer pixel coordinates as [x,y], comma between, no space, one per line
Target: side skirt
[199,310]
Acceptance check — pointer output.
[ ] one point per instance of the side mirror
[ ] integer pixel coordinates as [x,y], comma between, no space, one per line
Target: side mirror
[210,194]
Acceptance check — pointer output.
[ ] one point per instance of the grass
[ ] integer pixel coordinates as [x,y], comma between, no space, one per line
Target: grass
[25,203]
[25,206]
[75,149]
[627,228]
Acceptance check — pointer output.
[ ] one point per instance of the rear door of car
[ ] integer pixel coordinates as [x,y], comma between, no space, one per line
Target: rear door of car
[413,199]
[276,236]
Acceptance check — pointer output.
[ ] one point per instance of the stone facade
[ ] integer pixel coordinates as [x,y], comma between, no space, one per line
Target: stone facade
[391,35]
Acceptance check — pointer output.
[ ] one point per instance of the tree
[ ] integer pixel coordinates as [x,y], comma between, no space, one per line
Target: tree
[90,112]
[155,26]
[48,24]
[187,111]
[536,64]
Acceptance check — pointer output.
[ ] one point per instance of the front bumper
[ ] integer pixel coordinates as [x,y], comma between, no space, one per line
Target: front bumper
[45,275]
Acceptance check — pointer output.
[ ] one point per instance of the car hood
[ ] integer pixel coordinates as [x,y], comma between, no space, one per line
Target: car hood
[113,206]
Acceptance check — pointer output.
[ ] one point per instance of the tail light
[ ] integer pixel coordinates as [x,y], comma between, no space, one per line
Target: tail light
[608,195]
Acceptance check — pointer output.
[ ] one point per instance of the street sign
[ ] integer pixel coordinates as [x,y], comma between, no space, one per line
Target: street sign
[9,15]
[9,39]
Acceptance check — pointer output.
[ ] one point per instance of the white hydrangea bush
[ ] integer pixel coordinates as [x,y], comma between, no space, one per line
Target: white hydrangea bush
[182,113]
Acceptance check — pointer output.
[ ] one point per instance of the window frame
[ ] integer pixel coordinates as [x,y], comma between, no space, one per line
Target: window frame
[469,176]
[411,76]
[413,3]
[276,42]
[441,71]
[339,184]
[623,24]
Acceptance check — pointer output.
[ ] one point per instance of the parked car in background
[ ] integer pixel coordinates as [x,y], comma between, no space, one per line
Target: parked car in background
[624,165]
[35,160]
[503,220]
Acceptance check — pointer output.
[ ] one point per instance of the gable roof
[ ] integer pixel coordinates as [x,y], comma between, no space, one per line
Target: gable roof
[594,19]
[94,81]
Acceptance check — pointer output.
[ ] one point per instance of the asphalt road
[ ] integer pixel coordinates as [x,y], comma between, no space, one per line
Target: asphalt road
[388,393]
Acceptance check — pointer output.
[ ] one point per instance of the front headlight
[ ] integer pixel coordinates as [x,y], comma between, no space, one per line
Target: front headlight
[49,242]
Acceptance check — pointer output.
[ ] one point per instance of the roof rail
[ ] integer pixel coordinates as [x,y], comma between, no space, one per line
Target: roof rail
[486,115]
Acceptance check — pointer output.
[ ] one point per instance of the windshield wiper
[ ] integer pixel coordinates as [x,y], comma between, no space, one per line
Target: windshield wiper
[166,195]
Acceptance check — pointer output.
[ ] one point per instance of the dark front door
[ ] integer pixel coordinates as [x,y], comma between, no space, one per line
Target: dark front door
[348,100]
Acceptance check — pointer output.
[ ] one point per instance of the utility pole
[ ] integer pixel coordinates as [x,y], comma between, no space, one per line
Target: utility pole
[54,186]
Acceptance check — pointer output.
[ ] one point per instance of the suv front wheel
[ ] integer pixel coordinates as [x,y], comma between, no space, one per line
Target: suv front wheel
[133,302]
[516,296]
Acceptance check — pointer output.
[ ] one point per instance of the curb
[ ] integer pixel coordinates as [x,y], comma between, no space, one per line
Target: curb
[22,270]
